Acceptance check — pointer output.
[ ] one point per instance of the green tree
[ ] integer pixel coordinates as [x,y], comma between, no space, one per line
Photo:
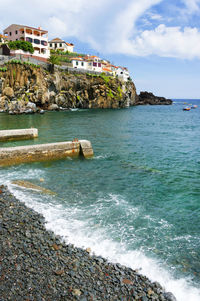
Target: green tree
[53,60]
[23,45]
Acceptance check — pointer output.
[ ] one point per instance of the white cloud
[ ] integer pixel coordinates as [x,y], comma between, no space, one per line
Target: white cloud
[192,6]
[156,17]
[166,41]
[108,26]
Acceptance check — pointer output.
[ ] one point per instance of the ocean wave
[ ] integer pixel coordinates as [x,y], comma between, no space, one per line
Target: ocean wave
[66,222]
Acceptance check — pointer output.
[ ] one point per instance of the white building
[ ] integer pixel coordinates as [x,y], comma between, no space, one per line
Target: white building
[79,63]
[58,44]
[36,36]
[93,63]
[90,63]
[122,73]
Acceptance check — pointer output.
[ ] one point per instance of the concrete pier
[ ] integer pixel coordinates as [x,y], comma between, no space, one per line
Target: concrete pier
[21,134]
[45,152]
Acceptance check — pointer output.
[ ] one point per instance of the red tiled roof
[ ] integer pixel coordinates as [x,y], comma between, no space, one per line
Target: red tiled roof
[69,44]
[2,36]
[106,69]
[114,66]
[76,59]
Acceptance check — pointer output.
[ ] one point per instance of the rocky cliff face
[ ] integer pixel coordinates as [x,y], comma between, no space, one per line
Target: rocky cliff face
[26,89]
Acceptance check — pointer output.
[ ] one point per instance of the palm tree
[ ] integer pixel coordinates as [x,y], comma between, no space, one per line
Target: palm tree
[53,60]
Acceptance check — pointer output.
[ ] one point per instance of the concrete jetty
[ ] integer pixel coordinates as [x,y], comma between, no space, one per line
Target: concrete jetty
[20,134]
[45,152]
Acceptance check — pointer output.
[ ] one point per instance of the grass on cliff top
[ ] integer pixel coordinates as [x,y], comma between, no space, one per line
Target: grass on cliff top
[105,77]
[19,62]
[66,56]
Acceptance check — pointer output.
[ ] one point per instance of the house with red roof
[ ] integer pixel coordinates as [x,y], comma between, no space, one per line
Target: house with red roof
[93,63]
[58,44]
[79,63]
[3,38]
[90,63]
[36,36]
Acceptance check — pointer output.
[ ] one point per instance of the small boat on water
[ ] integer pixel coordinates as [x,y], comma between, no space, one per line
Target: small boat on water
[73,109]
[194,107]
[186,109]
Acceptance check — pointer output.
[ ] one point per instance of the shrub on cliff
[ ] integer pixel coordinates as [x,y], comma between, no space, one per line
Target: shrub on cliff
[53,60]
[23,45]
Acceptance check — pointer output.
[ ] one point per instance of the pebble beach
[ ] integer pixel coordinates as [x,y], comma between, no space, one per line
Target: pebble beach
[35,264]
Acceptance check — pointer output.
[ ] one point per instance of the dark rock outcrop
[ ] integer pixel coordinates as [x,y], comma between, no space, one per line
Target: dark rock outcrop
[41,90]
[146,98]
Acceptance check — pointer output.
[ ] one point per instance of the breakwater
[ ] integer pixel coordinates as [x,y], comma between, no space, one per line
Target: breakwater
[36,264]
[45,152]
[21,134]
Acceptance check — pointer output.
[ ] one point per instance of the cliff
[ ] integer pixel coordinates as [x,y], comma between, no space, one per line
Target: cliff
[26,89]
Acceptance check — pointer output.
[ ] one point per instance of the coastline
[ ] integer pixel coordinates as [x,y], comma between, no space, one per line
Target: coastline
[37,265]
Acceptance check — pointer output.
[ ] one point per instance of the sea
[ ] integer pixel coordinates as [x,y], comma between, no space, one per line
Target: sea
[137,201]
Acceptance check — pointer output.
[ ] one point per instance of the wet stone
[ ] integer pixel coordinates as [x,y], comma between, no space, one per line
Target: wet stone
[37,265]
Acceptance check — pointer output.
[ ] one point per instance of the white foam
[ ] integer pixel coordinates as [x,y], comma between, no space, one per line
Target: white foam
[67,223]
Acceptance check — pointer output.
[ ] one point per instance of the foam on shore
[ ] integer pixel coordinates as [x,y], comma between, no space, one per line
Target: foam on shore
[64,222]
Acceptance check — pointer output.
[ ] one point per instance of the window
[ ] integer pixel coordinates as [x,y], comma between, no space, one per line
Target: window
[36,41]
[16,32]
[29,40]
[50,44]
[82,63]
[55,45]
[44,43]
[16,39]
[99,64]
[10,33]
[76,63]
[95,64]
[60,44]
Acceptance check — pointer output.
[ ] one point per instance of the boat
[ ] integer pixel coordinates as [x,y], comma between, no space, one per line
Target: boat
[73,109]
[186,109]
[194,107]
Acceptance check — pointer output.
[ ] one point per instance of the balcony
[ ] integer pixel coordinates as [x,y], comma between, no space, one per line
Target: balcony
[33,36]
[37,42]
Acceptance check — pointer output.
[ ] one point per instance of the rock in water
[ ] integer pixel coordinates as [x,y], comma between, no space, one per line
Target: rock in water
[30,185]
[146,98]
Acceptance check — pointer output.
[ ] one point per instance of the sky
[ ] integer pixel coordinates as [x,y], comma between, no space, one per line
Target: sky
[158,40]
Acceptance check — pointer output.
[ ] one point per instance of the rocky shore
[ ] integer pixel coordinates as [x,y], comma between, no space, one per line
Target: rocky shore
[36,265]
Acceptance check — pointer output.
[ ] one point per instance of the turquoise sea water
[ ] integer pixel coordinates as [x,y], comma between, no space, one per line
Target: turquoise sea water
[137,201]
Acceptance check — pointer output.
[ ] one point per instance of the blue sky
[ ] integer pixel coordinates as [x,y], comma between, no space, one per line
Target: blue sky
[158,40]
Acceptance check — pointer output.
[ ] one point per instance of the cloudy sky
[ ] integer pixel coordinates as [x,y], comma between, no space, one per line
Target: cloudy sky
[158,40]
